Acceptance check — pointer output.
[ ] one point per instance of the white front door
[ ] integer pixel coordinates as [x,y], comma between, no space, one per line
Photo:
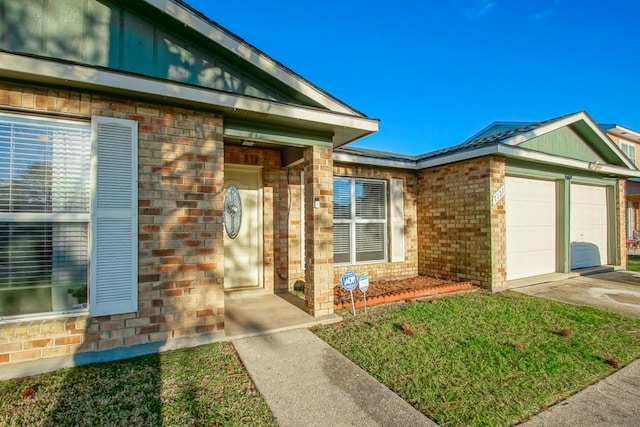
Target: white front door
[530,208]
[243,252]
[589,226]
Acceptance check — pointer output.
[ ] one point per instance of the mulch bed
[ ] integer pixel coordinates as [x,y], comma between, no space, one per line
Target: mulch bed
[385,291]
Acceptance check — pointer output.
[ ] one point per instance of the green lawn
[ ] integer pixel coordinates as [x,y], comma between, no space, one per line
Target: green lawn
[633,263]
[194,386]
[486,359]
[476,359]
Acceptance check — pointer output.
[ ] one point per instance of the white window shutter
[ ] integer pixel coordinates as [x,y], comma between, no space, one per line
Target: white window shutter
[113,284]
[396,217]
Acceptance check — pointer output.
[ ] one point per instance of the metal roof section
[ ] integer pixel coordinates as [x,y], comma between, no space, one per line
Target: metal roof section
[506,144]
[495,128]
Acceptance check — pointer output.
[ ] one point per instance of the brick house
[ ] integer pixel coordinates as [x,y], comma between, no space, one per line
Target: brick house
[152,164]
[515,203]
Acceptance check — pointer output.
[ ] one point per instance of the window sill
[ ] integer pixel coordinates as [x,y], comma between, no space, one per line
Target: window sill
[44,317]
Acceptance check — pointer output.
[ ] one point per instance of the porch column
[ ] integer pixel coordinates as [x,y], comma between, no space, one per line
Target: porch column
[318,196]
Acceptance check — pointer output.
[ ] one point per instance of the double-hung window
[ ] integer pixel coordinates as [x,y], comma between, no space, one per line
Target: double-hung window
[359,220]
[629,150]
[50,217]
[44,215]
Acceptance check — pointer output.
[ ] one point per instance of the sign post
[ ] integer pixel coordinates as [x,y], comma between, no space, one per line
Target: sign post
[349,282]
[364,285]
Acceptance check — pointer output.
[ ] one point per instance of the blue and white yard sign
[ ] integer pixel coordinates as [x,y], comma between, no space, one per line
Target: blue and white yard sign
[349,280]
[364,283]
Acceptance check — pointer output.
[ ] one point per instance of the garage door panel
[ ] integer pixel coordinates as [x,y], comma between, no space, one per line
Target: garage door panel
[589,226]
[530,207]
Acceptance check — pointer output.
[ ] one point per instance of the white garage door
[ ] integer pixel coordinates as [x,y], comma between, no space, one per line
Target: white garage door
[530,207]
[589,226]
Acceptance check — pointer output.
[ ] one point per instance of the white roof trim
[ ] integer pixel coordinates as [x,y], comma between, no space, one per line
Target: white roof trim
[19,66]
[624,133]
[362,159]
[496,149]
[249,54]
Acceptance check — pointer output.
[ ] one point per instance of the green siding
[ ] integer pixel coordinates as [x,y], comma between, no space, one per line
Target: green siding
[107,34]
[563,142]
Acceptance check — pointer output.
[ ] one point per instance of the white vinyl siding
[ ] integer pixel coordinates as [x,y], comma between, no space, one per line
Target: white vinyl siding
[114,248]
[360,220]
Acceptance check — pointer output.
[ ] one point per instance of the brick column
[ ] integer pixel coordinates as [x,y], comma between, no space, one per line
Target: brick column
[318,176]
[498,221]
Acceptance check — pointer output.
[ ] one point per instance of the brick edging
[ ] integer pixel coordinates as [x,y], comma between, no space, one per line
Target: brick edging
[448,288]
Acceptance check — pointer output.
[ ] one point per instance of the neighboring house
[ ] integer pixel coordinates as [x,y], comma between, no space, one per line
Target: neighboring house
[152,164]
[629,141]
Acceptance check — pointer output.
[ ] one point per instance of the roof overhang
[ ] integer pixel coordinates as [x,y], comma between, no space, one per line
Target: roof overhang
[190,18]
[624,133]
[344,128]
[500,150]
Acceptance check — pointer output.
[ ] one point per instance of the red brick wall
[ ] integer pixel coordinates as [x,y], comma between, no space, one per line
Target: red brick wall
[456,221]
[387,270]
[180,253]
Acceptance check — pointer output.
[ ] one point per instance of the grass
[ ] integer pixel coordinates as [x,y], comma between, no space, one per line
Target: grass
[206,385]
[633,262]
[466,360]
[486,359]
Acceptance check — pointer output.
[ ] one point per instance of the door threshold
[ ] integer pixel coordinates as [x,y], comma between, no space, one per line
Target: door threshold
[246,292]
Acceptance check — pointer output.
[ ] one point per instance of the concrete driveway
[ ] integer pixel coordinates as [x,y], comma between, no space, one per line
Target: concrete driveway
[617,291]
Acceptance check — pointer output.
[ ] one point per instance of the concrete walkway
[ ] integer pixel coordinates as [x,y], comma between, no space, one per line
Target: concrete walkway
[613,402]
[307,383]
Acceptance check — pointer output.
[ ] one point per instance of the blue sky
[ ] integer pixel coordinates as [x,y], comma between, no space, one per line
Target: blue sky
[435,72]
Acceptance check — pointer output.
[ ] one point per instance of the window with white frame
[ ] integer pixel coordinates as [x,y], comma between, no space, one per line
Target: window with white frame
[44,205]
[46,213]
[629,150]
[359,220]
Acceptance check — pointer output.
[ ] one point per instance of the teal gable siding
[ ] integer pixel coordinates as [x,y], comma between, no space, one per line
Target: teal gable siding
[108,34]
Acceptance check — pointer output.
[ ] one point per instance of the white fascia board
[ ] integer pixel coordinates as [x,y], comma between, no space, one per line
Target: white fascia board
[20,66]
[339,157]
[249,54]
[518,139]
[457,157]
